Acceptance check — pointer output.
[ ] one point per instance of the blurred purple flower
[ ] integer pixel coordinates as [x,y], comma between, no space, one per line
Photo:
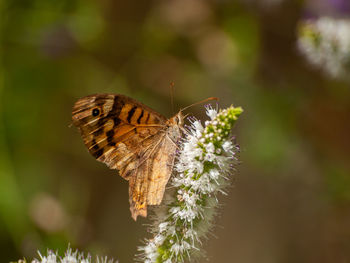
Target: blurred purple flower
[57,42]
[332,8]
[342,6]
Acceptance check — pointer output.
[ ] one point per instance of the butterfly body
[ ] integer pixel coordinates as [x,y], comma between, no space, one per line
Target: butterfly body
[134,139]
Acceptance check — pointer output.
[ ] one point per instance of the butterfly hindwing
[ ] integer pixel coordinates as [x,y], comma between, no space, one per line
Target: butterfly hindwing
[130,137]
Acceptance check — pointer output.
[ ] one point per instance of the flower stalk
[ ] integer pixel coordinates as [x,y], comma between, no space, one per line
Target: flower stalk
[203,168]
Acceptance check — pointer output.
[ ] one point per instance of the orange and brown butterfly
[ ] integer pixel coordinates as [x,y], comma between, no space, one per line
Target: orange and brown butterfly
[131,137]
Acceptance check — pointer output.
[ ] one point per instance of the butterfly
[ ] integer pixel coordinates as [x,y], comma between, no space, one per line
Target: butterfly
[134,139]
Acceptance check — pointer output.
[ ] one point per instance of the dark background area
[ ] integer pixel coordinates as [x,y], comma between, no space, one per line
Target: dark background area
[291,197]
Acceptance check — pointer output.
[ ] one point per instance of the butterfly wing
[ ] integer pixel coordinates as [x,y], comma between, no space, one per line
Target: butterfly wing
[157,169]
[130,137]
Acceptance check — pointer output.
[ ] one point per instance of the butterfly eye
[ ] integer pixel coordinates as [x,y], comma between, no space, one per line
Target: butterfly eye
[95,112]
[177,120]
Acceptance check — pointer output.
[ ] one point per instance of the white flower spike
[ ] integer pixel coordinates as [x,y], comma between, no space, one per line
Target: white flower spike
[203,168]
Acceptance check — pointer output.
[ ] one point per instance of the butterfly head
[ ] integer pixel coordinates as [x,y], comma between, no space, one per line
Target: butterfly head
[177,120]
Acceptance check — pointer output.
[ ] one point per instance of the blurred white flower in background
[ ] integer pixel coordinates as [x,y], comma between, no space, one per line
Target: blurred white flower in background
[325,42]
[69,257]
[217,51]
[47,213]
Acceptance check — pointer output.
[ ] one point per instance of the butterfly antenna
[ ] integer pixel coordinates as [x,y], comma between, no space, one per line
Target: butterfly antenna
[172,84]
[199,102]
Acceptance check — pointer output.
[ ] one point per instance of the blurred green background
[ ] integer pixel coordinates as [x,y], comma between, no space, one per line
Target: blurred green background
[291,197]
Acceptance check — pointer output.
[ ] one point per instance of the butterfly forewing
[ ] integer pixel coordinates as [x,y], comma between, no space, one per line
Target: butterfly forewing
[107,119]
[133,138]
